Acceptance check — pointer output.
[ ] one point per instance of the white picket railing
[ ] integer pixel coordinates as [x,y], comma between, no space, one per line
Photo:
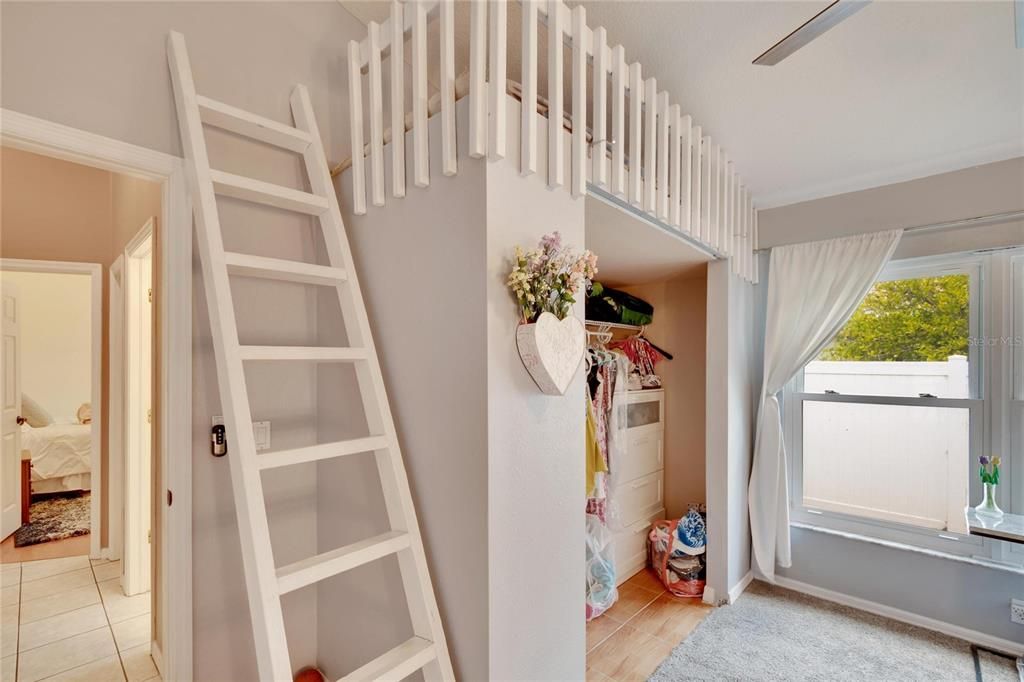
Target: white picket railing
[662,165]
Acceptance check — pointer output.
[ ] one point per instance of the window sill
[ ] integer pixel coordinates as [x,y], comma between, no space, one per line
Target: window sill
[1010,568]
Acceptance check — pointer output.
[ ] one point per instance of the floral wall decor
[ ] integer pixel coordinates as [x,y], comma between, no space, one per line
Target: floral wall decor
[545,282]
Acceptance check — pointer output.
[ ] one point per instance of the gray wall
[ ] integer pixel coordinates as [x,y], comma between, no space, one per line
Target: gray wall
[102,67]
[421,263]
[968,193]
[970,596]
[733,383]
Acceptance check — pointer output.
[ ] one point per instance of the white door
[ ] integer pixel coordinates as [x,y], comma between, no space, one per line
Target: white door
[137,564]
[10,376]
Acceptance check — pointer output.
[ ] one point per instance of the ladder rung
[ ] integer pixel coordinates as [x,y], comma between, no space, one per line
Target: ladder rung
[397,664]
[281,269]
[322,566]
[314,453]
[257,191]
[308,353]
[239,121]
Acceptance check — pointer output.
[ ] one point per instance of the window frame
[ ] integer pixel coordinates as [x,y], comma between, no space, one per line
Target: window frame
[1015,425]
[996,309]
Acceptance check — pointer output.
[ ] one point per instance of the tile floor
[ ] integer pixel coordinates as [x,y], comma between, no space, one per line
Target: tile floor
[632,638]
[67,619]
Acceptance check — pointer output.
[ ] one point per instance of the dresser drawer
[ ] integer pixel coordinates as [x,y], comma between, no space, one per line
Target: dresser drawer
[639,498]
[645,411]
[643,455]
[629,547]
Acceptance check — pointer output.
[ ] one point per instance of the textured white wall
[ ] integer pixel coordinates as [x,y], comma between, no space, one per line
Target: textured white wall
[536,483]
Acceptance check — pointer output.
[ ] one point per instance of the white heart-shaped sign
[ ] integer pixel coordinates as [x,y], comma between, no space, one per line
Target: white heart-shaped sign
[552,349]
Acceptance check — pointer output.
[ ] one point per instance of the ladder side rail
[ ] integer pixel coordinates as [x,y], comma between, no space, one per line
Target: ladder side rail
[426,618]
[254,533]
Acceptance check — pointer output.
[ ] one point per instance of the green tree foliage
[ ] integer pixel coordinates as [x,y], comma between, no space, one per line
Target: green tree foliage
[907,320]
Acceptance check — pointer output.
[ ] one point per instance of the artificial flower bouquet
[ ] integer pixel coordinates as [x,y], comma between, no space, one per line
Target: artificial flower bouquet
[989,470]
[548,278]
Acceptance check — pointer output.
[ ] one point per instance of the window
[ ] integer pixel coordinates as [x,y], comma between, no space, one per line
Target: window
[885,427]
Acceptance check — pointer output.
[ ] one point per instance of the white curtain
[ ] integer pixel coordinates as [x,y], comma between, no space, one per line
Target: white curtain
[813,289]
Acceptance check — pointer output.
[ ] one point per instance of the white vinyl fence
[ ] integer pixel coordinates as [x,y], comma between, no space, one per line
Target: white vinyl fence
[902,463]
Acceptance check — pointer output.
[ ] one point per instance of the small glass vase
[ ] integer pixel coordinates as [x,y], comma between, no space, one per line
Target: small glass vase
[988,506]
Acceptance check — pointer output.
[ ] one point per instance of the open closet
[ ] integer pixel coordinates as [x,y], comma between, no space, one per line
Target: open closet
[646,392]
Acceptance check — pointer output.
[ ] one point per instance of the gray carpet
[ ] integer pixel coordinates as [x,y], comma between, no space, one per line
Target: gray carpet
[776,634]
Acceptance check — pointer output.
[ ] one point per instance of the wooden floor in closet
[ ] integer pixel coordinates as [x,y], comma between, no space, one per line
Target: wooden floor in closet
[632,638]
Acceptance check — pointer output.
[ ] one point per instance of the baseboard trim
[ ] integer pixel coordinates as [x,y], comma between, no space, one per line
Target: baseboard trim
[972,636]
[740,587]
[158,657]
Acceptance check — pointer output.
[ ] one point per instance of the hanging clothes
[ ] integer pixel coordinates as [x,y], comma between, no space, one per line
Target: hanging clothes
[596,463]
[601,385]
[644,356]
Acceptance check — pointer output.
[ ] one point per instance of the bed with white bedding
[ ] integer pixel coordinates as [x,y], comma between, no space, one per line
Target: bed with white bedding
[61,456]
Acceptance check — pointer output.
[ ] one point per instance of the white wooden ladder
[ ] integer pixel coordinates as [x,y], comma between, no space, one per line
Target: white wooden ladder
[265,582]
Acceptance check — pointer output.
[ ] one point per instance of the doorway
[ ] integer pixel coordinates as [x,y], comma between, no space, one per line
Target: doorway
[136,630]
[52,366]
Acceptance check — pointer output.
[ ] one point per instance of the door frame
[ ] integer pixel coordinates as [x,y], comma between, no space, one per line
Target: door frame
[40,136]
[95,273]
[135,507]
[115,405]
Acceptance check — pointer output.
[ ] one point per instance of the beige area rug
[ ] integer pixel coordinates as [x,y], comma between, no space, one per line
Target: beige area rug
[776,634]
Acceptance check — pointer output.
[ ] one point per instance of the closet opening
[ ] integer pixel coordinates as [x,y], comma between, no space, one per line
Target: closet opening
[646,368]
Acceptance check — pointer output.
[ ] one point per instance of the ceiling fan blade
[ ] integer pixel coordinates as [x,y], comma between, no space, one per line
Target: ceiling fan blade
[811,29]
[1018,22]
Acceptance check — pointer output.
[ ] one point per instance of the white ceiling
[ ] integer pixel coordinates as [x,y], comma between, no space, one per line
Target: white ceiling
[898,91]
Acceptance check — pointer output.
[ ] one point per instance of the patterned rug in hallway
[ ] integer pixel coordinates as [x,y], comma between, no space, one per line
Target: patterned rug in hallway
[55,518]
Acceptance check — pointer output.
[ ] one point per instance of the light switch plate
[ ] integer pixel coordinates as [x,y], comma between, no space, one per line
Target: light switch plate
[261,432]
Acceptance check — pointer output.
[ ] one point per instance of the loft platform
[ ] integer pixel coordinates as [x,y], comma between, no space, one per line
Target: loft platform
[620,140]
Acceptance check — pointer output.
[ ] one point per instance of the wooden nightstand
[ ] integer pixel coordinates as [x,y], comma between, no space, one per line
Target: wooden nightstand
[26,485]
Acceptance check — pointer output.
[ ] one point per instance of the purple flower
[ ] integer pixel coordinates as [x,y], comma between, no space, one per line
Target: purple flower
[984,460]
[551,242]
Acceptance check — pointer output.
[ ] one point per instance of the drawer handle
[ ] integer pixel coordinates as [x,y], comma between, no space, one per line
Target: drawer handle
[638,485]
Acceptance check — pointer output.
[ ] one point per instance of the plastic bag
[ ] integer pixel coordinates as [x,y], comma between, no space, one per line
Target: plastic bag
[676,551]
[601,591]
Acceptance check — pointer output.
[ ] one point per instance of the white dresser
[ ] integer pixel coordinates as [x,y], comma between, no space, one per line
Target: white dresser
[639,491]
